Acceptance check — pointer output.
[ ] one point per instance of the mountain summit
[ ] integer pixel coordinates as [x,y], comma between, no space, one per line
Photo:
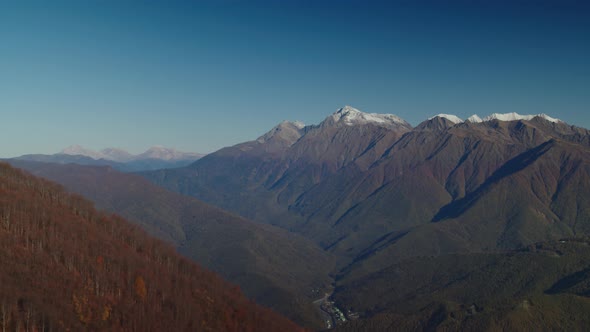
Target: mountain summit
[350,116]
[287,131]
[450,117]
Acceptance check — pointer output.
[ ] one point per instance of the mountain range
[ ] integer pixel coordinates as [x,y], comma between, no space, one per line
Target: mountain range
[156,157]
[373,191]
[417,228]
[356,178]
[120,155]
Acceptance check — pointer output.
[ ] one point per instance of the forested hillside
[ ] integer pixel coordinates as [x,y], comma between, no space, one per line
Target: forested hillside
[67,266]
[273,267]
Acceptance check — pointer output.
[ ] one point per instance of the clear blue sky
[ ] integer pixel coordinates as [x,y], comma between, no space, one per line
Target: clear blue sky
[200,75]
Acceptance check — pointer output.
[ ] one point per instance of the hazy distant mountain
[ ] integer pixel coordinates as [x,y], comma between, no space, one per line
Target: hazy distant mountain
[120,155]
[168,154]
[77,150]
[70,159]
[156,157]
[116,154]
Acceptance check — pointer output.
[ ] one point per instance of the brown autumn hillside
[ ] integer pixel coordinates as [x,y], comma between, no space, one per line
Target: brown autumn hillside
[67,266]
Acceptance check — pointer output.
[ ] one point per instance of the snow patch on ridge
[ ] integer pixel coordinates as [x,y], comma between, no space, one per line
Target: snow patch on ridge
[515,116]
[351,116]
[77,150]
[474,119]
[450,117]
[298,124]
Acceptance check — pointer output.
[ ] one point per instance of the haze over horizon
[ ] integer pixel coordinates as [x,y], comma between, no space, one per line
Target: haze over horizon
[200,76]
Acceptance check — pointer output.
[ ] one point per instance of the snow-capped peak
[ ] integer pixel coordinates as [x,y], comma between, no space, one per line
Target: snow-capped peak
[474,119]
[548,118]
[350,116]
[515,116]
[77,150]
[450,117]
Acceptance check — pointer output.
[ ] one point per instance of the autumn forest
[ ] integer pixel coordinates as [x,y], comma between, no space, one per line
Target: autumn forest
[67,266]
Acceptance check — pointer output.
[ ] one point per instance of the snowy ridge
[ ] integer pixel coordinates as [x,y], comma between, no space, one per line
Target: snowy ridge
[450,117]
[496,116]
[474,119]
[350,116]
[515,116]
[298,124]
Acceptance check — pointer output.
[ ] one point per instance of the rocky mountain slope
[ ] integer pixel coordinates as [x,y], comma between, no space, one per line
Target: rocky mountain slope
[357,180]
[544,286]
[374,191]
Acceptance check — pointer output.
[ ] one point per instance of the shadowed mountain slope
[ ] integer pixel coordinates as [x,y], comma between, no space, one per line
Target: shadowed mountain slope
[542,287]
[261,179]
[538,195]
